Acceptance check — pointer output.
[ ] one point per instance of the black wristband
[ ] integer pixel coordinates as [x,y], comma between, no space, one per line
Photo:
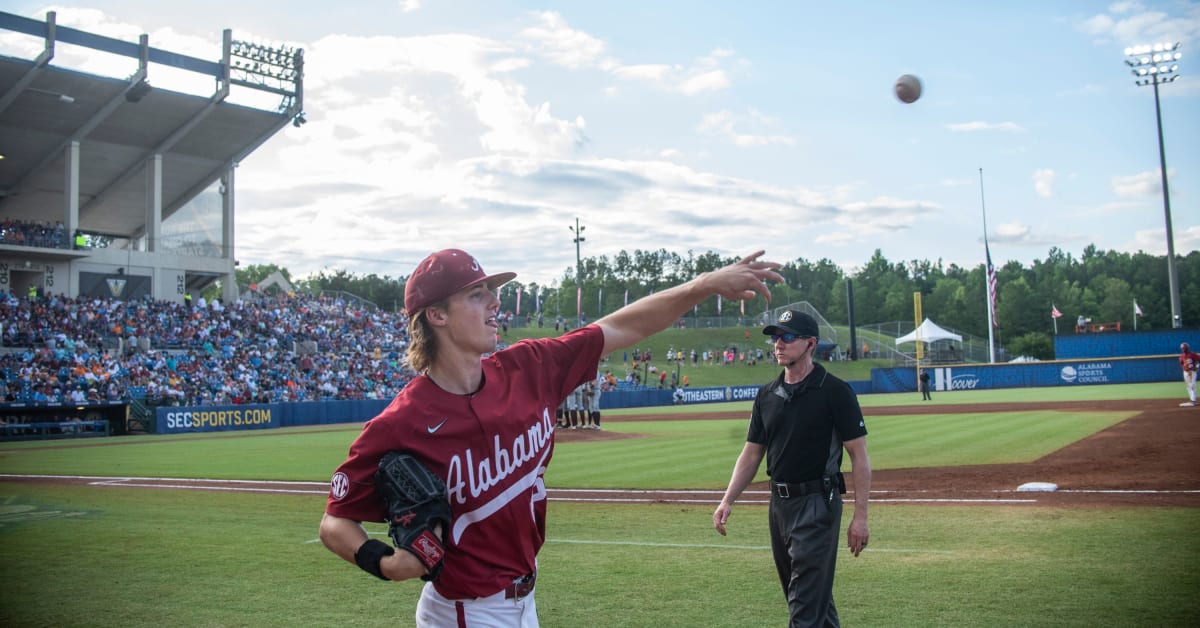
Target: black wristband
[370,553]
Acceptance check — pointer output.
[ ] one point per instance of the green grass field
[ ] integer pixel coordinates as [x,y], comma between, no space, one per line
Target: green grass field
[108,556]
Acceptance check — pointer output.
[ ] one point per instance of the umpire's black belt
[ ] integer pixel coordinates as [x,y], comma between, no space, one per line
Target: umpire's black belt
[822,486]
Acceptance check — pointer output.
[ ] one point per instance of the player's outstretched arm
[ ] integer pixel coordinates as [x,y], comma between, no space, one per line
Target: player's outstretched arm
[739,281]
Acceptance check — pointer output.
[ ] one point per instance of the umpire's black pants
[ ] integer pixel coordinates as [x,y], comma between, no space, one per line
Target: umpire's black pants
[804,540]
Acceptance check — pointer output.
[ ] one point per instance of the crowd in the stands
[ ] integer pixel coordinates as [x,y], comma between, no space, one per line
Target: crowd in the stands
[284,348]
[32,233]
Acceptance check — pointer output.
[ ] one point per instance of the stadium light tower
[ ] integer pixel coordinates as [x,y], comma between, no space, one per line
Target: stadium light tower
[578,231]
[1153,65]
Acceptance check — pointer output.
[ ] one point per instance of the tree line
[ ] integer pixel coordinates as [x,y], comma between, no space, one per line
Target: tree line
[1099,285]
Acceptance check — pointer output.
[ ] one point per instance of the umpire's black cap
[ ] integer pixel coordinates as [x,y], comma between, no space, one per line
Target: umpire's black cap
[793,322]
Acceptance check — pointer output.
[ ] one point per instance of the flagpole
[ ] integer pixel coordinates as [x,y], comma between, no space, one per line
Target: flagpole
[987,286]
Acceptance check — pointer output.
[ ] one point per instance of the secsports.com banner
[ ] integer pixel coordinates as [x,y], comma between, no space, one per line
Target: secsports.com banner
[217,418]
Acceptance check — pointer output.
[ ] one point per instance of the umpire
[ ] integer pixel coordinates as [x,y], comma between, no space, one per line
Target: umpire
[801,422]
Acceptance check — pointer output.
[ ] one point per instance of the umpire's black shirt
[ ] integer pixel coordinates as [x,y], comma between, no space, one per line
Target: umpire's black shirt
[803,425]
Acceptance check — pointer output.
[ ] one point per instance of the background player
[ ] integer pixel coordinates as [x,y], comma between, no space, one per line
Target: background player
[486,425]
[595,387]
[1189,362]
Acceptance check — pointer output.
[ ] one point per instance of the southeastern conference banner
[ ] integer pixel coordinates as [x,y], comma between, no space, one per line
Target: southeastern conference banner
[217,418]
[715,395]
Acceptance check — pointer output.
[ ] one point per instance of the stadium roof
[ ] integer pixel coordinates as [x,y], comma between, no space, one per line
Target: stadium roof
[121,124]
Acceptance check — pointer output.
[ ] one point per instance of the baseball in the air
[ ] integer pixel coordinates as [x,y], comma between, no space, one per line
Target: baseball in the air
[908,88]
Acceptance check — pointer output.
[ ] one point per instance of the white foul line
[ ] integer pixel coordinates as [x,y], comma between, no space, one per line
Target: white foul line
[723,546]
[321,488]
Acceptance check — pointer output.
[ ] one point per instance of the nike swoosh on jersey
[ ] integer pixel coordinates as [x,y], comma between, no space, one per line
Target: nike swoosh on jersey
[433,428]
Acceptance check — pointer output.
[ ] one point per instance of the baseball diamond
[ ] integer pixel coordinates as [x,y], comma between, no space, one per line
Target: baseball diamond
[1128,464]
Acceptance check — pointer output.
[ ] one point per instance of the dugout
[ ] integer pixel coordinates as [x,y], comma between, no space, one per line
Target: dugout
[42,421]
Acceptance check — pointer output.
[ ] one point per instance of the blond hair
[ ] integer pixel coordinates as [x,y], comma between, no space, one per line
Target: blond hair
[422,343]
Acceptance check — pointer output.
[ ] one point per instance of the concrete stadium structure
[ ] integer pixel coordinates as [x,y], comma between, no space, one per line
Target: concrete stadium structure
[111,159]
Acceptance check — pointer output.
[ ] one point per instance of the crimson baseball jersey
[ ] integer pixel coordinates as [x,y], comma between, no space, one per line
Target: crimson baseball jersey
[492,449]
[1189,360]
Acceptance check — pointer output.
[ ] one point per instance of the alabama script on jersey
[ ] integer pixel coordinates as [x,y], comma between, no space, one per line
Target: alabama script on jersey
[491,448]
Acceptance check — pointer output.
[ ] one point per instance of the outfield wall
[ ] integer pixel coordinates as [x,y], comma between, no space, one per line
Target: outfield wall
[1032,374]
[1123,344]
[183,419]
[177,420]
[1084,360]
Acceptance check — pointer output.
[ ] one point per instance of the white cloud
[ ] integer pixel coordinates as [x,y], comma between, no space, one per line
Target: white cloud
[984,126]
[1043,182]
[563,45]
[556,41]
[651,72]
[1011,232]
[710,80]
[1152,241]
[408,6]
[1125,6]
[1131,23]
[450,76]
[1142,184]
[865,221]
[723,123]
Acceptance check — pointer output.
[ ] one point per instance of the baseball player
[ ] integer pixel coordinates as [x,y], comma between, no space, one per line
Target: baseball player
[800,423]
[486,426]
[593,410]
[561,414]
[575,407]
[1189,362]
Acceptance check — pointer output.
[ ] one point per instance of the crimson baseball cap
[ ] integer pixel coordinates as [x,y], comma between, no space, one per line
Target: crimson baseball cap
[442,274]
[793,322]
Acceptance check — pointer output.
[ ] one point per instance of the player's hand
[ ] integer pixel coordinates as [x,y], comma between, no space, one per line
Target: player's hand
[857,535]
[741,280]
[405,565]
[721,517]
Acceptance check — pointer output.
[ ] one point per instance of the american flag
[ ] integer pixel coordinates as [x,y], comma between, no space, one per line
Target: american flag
[991,285]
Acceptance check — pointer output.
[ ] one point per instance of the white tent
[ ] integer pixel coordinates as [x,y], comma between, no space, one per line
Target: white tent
[928,332]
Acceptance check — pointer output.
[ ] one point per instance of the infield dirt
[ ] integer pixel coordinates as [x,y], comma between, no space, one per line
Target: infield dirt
[1152,458]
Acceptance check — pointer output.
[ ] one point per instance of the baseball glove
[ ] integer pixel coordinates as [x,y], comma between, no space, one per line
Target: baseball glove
[416,504]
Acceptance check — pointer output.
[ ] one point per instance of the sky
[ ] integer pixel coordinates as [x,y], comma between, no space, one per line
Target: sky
[493,126]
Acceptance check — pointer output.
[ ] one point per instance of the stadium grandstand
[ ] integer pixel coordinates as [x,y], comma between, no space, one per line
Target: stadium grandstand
[91,168]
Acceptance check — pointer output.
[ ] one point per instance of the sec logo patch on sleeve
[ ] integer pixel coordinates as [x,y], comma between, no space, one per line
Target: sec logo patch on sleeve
[339,485]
